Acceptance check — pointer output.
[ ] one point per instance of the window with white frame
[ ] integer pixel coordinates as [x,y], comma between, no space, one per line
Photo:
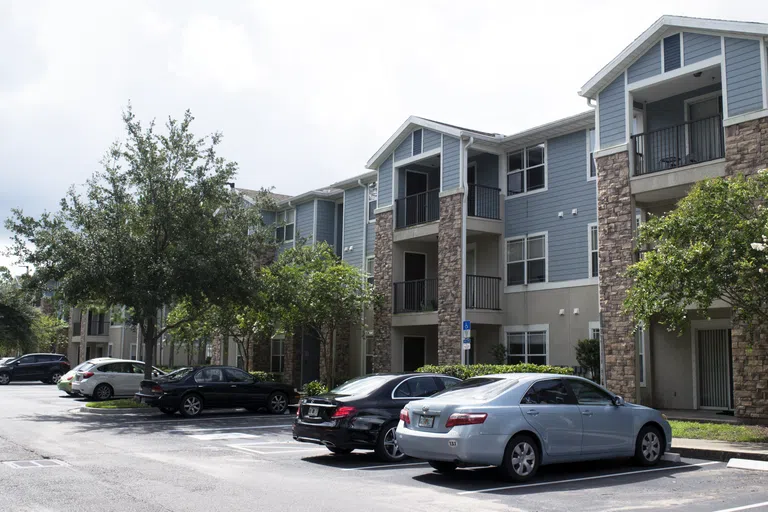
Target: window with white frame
[594,264]
[369,268]
[526,170]
[594,330]
[591,156]
[640,344]
[277,357]
[373,197]
[285,222]
[527,347]
[369,354]
[527,260]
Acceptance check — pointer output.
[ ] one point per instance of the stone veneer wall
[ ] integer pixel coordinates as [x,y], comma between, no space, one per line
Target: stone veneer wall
[382,276]
[746,152]
[615,217]
[449,281]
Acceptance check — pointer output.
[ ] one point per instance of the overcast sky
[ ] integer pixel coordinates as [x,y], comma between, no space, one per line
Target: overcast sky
[304,92]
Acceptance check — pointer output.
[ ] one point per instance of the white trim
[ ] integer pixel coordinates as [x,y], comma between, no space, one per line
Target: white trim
[314,224]
[524,151]
[619,148]
[442,142]
[517,329]
[682,50]
[675,73]
[419,157]
[368,201]
[525,239]
[593,326]
[764,66]
[743,118]
[110,348]
[589,250]
[554,285]
[394,187]
[597,126]
[383,209]
[402,362]
[590,155]
[724,77]
[425,263]
[661,47]
[629,111]
[281,342]
[696,325]
[344,223]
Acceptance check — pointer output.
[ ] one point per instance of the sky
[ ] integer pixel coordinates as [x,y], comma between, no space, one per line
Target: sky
[304,92]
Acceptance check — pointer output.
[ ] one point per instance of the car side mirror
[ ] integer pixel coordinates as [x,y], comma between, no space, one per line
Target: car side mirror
[618,401]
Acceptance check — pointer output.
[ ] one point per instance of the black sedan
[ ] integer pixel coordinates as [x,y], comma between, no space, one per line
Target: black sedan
[190,390]
[363,413]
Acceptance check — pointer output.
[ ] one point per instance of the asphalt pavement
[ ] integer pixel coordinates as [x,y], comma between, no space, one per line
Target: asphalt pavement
[53,458]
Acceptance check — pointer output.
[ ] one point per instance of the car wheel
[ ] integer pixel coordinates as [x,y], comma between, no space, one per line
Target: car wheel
[649,447]
[191,406]
[521,458]
[277,403]
[54,378]
[442,466]
[387,448]
[339,451]
[103,392]
[170,411]
[4,379]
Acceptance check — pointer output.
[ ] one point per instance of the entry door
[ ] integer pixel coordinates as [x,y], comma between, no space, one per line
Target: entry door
[415,183]
[714,358]
[414,348]
[705,130]
[310,359]
[415,273]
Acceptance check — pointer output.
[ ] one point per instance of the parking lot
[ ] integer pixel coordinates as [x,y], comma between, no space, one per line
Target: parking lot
[241,461]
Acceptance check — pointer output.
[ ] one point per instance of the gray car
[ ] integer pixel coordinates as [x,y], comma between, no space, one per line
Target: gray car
[521,421]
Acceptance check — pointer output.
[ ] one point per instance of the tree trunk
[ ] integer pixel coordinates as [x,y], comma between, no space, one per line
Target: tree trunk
[150,342]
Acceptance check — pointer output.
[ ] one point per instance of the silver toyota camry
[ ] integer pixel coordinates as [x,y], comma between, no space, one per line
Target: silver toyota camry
[521,421]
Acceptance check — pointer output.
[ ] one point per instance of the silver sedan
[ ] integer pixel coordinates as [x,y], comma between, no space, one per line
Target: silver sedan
[522,421]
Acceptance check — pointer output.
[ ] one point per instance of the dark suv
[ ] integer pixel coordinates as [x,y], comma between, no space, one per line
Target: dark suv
[47,368]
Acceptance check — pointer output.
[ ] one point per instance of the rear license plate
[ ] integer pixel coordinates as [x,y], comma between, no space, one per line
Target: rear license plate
[426,421]
[313,412]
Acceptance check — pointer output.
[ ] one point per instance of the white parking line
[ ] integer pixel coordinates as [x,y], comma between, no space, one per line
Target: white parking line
[223,436]
[280,449]
[190,430]
[745,507]
[385,466]
[584,479]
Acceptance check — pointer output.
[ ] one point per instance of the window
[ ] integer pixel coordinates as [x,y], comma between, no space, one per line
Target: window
[210,375]
[527,260]
[591,163]
[594,330]
[416,387]
[373,197]
[369,341]
[133,351]
[234,375]
[418,139]
[640,344]
[109,350]
[285,221]
[98,324]
[526,170]
[594,266]
[548,392]
[589,394]
[369,269]
[527,347]
[277,364]
[137,369]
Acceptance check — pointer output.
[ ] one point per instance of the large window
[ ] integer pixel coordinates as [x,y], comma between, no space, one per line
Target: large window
[369,269]
[526,170]
[527,347]
[285,222]
[98,324]
[594,267]
[277,361]
[527,260]
[592,165]
[373,197]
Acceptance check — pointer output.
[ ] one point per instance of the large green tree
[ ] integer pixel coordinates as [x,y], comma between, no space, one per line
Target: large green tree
[17,316]
[703,250]
[157,224]
[51,332]
[317,291]
[192,328]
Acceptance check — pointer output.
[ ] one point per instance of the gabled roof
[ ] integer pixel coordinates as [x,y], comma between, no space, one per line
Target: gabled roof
[414,122]
[660,28]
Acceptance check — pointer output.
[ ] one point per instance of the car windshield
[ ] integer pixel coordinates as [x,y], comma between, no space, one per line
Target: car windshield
[81,366]
[361,385]
[11,360]
[479,388]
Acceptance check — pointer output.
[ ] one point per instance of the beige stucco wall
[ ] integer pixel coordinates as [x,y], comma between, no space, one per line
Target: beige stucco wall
[485,337]
[486,255]
[398,333]
[398,255]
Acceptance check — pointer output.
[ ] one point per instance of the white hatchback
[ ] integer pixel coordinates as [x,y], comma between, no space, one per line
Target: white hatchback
[106,379]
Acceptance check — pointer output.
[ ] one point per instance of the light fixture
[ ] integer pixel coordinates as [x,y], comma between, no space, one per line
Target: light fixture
[697,74]
[560,214]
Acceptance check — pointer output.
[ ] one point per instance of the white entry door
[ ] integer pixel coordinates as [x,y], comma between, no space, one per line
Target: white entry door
[714,368]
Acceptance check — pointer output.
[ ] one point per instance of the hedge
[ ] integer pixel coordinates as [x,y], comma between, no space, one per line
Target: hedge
[267,376]
[474,370]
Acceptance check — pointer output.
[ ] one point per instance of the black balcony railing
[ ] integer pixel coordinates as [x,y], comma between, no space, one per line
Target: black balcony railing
[417,208]
[483,292]
[677,146]
[415,296]
[483,202]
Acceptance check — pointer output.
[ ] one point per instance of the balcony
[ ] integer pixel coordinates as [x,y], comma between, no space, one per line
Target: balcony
[483,292]
[417,209]
[484,202]
[682,145]
[415,296]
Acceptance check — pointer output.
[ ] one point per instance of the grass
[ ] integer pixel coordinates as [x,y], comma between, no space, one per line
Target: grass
[123,403]
[719,432]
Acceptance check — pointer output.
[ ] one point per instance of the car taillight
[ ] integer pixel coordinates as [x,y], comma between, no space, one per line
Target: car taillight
[66,363]
[87,374]
[157,389]
[70,377]
[343,412]
[474,418]
[405,417]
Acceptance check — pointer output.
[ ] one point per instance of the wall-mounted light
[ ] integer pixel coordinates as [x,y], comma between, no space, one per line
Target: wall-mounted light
[574,211]
[697,74]
[560,214]
[575,311]
[562,312]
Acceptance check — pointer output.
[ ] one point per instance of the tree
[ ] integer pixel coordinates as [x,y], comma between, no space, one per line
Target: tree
[157,224]
[703,251]
[588,356]
[17,316]
[192,327]
[51,332]
[315,290]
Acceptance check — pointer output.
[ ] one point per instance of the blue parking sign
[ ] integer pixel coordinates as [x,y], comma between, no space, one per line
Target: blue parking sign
[466,326]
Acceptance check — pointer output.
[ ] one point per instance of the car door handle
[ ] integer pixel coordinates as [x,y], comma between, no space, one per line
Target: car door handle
[233,386]
[586,413]
[533,413]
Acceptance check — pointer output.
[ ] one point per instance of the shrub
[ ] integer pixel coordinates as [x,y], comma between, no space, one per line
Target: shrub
[499,354]
[464,372]
[314,388]
[588,356]
[267,376]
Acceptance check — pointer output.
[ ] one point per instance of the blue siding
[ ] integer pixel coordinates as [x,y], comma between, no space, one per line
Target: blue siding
[339,228]
[568,189]
[417,141]
[268,217]
[671,52]
[305,221]
[354,211]
[698,47]
[385,183]
[370,238]
[743,76]
[646,66]
[431,140]
[612,114]
[326,216]
[404,150]
[450,162]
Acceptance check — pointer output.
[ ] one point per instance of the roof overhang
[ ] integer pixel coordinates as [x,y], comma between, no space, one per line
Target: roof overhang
[660,28]
[582,121]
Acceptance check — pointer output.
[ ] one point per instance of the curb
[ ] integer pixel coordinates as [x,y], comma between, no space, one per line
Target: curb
[719,455]
[118,412]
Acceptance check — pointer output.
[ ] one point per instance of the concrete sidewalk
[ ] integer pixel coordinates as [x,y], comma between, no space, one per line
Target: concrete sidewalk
[719,450]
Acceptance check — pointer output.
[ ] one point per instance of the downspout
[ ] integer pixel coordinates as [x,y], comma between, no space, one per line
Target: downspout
[363,343]
[464,209]
[590,104]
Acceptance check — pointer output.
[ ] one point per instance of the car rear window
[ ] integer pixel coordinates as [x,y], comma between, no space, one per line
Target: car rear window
[479,388]
[87,367]
[361,385]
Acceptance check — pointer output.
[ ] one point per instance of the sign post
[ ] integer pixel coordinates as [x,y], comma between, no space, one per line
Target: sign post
[466,341]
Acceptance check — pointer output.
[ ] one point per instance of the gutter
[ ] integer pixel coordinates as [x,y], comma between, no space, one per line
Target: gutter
[464,210]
